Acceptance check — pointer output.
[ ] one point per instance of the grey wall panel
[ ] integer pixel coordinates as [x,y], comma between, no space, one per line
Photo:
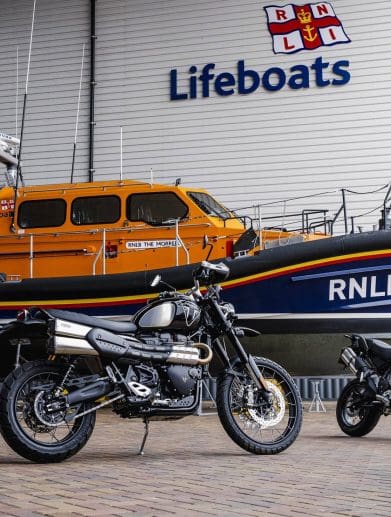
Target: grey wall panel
[263,147]
[256,148]
[60,30]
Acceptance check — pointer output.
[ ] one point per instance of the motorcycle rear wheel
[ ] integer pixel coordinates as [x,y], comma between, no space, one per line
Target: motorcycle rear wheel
[251,423]
[26,427]
[354,417]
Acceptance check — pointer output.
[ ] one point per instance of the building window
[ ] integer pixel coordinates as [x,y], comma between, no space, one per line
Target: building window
[96,210]
[42,213]
[157,208]
[210,206]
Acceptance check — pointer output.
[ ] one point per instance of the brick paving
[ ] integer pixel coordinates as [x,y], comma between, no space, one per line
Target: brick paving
[192,468]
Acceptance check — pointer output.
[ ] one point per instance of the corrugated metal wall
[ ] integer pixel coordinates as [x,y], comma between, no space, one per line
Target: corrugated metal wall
[246,149]
[60,30]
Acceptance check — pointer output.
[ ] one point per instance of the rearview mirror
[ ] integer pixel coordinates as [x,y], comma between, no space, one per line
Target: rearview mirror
[156,281]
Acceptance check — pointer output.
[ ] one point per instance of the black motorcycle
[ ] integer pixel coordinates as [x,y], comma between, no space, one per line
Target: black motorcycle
[150,368]
[368,396]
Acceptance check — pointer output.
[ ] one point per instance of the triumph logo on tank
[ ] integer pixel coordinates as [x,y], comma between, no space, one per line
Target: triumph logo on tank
[304,27]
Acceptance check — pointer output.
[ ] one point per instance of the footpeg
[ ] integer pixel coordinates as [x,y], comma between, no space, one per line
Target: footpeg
[139,389]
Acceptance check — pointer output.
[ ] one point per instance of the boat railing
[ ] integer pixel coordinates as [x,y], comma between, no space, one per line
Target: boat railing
[101,253]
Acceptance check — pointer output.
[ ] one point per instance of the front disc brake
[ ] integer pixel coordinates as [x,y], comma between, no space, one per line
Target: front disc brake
[272,415]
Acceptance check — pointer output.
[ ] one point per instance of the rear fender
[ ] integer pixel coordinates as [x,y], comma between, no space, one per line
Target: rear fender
[32,338]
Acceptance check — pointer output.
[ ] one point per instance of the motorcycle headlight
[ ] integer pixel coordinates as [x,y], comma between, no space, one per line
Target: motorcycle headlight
[228,309]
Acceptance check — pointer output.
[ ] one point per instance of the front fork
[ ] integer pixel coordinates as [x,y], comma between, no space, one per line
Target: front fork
[245,358]
[256,374]
[248,361]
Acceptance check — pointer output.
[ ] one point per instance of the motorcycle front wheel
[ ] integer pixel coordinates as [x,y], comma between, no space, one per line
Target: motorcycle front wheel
[27,423]
[356,416]
[252,423]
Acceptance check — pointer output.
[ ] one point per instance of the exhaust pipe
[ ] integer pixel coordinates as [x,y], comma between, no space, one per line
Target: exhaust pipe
[63,345]
[115,347]
[190,355]
[349,358]
[358,366]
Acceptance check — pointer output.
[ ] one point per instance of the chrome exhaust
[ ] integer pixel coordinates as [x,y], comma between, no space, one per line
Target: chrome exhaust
[349,357]
[190,355]
[70,346]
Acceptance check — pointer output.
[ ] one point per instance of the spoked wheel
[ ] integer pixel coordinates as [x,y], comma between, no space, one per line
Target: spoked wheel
[255,425]
[33,422]
[355,415]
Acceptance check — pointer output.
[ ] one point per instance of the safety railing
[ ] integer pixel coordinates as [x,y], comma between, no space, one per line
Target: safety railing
[100,255]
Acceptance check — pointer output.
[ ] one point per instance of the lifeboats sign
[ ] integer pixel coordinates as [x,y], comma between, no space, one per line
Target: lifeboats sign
[304,27]
[293,28]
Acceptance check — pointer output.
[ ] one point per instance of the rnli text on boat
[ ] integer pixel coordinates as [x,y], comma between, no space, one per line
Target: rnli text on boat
[365,287]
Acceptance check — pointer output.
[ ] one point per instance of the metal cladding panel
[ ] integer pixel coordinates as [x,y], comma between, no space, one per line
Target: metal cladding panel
[262,147]
[60,30]
[246,149]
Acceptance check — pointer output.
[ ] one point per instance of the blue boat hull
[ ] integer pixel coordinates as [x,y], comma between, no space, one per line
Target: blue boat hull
[340,284]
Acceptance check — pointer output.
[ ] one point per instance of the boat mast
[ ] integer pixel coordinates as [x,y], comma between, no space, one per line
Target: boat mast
[19,162]
[92,93]
[19,168]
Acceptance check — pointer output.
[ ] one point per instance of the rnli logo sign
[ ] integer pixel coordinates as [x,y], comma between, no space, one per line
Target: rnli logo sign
[304,27]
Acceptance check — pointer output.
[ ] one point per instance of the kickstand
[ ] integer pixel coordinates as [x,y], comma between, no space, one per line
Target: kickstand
[146,431]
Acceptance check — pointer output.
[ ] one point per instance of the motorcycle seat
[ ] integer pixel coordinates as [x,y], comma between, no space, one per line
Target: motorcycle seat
[117,327]
[380,348]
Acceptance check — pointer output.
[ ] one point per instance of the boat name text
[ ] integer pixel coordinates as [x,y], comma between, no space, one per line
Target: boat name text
[143,245]
[365,287]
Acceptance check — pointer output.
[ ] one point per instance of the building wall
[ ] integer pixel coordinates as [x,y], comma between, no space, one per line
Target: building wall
[262,147]
[60,30]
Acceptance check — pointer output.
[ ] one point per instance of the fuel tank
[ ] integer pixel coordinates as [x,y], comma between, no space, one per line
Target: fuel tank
[177,313]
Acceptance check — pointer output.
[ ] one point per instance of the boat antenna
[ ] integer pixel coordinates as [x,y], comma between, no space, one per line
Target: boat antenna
[77,113]
[120,168]
[19,169]
[17,91]
[151,177]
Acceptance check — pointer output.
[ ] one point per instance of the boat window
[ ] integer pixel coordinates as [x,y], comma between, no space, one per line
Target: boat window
[42,213]
[96,210]
[156,208]
[209,205]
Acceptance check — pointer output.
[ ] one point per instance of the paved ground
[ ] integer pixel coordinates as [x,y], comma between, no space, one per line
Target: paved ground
[192,468]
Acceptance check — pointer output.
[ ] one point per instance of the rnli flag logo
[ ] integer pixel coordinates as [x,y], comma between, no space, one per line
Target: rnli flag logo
[7,204]
[304,27]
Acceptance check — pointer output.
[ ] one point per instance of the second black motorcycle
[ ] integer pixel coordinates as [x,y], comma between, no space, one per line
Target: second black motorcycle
[367,397]
[150,368]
